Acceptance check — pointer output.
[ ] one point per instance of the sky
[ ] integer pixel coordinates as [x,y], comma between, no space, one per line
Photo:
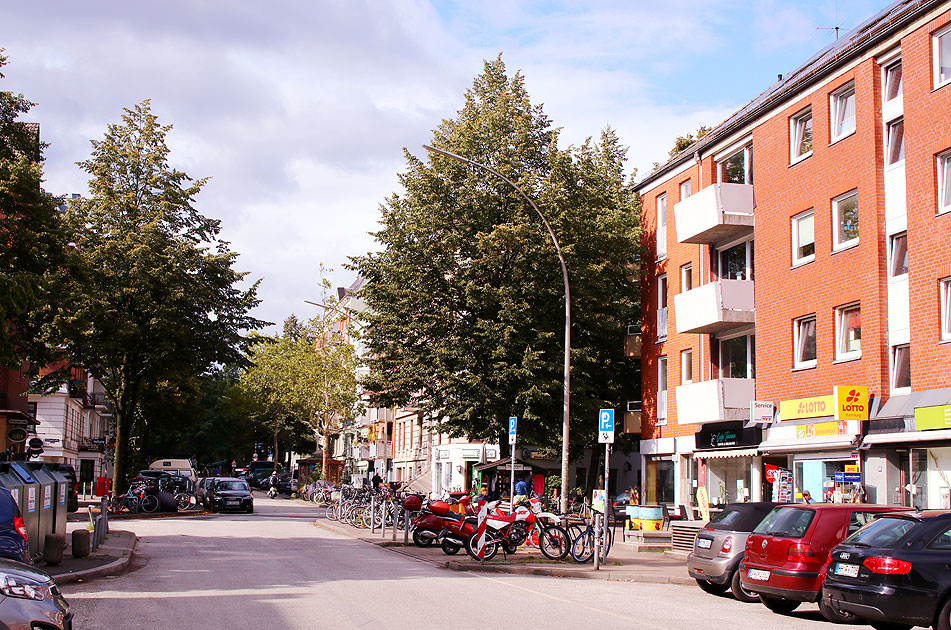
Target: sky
[299,111]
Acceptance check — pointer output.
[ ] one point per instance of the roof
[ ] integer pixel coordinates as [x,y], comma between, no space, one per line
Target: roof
[904,406]
[867,34]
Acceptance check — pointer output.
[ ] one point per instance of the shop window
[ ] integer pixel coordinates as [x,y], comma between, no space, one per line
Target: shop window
[686,367]
[736,168]
[685,190]
[804,341]
[800,136]
[898,255]
[686,278]
[662,307]
[893,84]
[942,57]
[804,237]
[662,227]
[660,481]
[901,367]
[661,392]
[845,218]
[945,293]
[848,332]
[944,182]
[842,110]
[895,151]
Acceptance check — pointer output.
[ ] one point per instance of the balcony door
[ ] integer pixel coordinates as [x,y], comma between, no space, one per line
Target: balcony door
[735,261]
[738,356]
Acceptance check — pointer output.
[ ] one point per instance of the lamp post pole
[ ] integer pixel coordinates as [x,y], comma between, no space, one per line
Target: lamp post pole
[564,273]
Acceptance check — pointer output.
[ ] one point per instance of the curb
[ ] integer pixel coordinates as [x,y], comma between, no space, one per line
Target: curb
[116,567]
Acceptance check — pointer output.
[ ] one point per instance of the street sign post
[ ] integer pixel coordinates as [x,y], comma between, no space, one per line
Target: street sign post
[606,437]
[513,426]
[606,426]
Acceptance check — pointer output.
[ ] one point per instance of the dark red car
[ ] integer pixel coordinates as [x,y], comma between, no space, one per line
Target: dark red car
[787,553]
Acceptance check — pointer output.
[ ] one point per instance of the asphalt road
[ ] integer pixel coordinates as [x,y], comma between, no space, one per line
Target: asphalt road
[275,569]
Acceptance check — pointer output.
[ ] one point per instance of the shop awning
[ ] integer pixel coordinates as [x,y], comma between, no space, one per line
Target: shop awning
[907,436]
[789,446]
[16,414]
[904,406]
[727,452]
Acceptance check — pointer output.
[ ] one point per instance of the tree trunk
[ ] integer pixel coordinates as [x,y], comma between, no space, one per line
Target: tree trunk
[121,455]
[276,460]
[325,446]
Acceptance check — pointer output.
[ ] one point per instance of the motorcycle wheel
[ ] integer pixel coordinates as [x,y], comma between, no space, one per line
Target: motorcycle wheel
[510,549]
[450,548]
[421,541]
[491,547]
[553,542]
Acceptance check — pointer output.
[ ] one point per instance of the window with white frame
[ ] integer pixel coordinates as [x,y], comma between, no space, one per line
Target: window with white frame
[685,190]
[736,168]
[842,109]
[848,332]
[945,293]
[662,226]
[845,220]
[804,342]
[686,367]
[901,367]
[944,182]
[661,391]
[804,237]
[662,307]
[736,262]
[686,277]
[738,357]
[893,84]
[898,255]
[942,57]
[895,149]
[800,136]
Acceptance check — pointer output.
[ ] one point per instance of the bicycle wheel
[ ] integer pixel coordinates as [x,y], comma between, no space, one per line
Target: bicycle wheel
[583,548]
[553,542]
[333,512]
[149,503]
[183,500]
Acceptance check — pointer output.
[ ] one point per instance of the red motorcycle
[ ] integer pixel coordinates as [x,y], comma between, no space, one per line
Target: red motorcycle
[439,524]
[507,531]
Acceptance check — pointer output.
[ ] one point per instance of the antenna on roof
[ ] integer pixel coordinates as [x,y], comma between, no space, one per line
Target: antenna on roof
[837,26]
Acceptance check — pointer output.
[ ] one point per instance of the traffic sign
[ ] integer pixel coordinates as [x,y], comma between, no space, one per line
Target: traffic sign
[513,423]
[606,426]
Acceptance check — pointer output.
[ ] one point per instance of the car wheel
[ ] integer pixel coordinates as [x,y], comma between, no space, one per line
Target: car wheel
[712,587]
[944,617]
[779,605]
[740,594]
[832,614]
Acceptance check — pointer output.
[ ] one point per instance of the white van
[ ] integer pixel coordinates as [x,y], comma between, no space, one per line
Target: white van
[181,467]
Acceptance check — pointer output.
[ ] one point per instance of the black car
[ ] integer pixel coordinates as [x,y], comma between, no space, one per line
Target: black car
[894,571]
[72,496]
[286,484]
[13,540]
[228,493]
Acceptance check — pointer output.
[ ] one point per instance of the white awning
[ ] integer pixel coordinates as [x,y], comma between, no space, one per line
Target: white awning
[907,436]
[727,452]
[794,445]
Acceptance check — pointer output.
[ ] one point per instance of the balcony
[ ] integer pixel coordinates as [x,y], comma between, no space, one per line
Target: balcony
[718,400]
[715,214]
[662,323]
[632,342]
[715,307]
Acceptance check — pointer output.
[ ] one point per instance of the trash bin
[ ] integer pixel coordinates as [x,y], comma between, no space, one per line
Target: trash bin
[60,497]
[29,501]
[651,517]
[633,520]
[45,499]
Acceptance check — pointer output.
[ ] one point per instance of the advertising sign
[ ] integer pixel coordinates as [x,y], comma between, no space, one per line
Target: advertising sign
[704,502]
[847,477]
[821,429]
[771,472]
[728,435]
[761,412]
[598,499]
[929,418]
[799,408]
[851,403]
[17,435]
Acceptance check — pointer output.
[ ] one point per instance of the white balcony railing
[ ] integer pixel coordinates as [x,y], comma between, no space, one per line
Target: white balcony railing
[715,214]
[715,306]
[716,400]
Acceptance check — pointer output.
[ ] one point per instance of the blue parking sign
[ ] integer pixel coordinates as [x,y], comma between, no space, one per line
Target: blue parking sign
[606,426]
[513,424]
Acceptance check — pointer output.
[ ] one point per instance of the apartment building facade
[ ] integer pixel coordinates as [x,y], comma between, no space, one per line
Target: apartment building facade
[801,260]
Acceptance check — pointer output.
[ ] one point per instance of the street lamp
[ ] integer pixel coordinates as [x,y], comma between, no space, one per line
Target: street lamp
[564,273]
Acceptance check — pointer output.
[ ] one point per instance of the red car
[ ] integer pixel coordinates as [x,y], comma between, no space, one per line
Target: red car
[786,555]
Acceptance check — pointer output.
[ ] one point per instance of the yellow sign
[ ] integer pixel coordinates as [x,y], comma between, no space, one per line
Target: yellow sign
[704,503]
[851,403]
[814,407]
[853,468]
[821,429]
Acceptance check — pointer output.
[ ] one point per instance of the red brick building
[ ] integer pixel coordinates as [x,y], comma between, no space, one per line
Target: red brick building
[801,257]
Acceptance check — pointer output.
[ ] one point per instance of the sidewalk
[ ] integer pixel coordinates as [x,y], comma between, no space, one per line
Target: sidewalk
[624,564]
[111,558]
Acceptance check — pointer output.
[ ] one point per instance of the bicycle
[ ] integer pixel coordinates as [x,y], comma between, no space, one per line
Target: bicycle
[582,550]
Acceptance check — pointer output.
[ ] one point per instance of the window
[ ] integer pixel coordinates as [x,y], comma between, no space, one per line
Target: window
[942,57]
[893,88]
[804,340]
[898,255]
[738,357]
[800,136]
[944,182]
[662,227]
[686,367]
[945,293]
[686,278]
[736,168]
[845,215]
[804,237]
[685,190]
[895,151]
[848,332]
[843,112]
[661,391]
[942,541]
[662,307]
[901,367]
[736,262]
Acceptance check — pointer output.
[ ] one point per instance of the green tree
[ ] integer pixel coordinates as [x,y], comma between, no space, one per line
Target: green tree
[153,295]
[32,234]
[465,295]
[682,143]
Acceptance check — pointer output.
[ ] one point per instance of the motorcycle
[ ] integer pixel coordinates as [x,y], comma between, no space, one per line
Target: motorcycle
[438,523]
[272,492]
[507,531]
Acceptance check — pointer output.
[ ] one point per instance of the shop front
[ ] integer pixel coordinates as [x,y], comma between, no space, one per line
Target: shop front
[729,464]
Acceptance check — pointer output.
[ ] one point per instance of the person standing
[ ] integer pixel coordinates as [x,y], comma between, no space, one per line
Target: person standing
[807,497]
[377,480]
[520,491]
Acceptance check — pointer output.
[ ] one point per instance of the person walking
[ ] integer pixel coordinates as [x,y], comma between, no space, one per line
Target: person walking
[377,480]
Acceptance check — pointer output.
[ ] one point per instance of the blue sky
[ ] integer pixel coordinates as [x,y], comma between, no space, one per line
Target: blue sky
[299,110]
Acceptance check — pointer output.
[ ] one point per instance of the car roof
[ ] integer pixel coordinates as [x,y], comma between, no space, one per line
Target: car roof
[867,507]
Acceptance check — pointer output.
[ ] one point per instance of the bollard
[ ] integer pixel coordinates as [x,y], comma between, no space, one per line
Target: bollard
[396,517]
[373,515]
[81,543]
[53,547]
[406,519]
[383,520]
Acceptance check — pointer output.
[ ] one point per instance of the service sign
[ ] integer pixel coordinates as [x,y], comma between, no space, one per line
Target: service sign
[761,412]
[799,408]
[851,402]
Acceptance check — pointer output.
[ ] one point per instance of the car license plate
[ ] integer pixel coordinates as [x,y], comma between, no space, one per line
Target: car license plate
[848,570]
[704,543]
[232,502]
[758,574]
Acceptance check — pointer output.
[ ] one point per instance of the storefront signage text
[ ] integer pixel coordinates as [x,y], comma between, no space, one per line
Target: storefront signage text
[728,435]
[821,429]
[928,418]
[851,403]
[799,408]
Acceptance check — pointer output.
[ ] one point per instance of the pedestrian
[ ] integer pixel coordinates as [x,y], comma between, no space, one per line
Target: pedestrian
[520,491]
[483,494]
[807,497]
[377,480]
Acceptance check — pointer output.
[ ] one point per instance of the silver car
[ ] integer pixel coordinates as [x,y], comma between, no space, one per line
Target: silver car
[29,599]
[719,548]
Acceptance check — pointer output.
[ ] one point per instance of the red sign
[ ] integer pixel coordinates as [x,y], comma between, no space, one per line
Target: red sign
[771,472]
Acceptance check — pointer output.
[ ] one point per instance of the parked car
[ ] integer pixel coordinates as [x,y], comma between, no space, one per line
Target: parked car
[201,489]
[787,552]
[13,538]
[30,599]
[286,484]
[229,493]
[621,501]
[72,495]
[894,572]
[719,548]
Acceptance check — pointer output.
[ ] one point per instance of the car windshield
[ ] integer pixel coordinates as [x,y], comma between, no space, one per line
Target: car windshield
[786,522]
[882,532]
[231,485]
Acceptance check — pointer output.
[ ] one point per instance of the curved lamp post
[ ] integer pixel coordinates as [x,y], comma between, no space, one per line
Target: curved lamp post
[564,273]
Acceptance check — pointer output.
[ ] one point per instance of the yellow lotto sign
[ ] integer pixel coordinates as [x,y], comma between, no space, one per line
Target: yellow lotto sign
[798,408]
[851,403]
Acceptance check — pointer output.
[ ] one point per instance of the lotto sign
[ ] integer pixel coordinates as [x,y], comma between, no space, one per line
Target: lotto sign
[513,425]
[606,426]
[851,403]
